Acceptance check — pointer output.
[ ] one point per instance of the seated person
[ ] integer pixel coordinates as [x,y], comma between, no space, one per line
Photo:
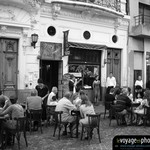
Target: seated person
[129,94]
[53,93]
[4,101]
[13,111]
[86,108]
[124,101]
[110,97]
[65,105]
[139,91]
[77,99]
[140,109]
[54,101]
[34,102]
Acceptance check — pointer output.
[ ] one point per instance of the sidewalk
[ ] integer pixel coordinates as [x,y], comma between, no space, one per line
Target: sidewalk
[46,141]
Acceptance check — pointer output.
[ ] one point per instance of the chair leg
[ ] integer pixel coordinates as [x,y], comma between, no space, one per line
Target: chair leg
[18,139]
[55,128]
[25,139]
[40,126]
[104,113]
[59,132]
[89,134]
[98,132]
[82,132]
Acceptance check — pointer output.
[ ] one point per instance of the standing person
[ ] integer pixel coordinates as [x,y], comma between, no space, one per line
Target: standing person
[51,95]
[72,83]
[110,82]
[43,93]
[139,87]
[96,88]
[139,82]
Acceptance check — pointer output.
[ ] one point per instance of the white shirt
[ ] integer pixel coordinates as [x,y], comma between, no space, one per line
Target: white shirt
[50,97]
[111,82]
[140,83]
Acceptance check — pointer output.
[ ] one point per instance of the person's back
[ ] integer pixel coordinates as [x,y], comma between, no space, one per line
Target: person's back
[66,106]
[34,102]
[123,97]
[109,98]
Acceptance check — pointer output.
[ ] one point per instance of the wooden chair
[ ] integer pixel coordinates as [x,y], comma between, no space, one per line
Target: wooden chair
[35,116]
[20,128]
[146,116]
[107,107]
[115,111]
[50,111]
[93,123]
[59,124]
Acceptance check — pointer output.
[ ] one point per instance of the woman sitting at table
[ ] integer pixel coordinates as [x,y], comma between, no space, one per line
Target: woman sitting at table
[140,109]
[86,108]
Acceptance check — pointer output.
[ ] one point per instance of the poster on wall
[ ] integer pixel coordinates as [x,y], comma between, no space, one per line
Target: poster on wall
[51,51]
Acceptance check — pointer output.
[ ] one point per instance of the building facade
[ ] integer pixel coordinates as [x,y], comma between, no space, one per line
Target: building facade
[139,42]
[96,35]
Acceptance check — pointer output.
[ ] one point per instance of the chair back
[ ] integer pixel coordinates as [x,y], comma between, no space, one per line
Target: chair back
[115,109]
[147,111]
[50,109]
[57,116]
[107,105]
[36,115]
[120,102]
[94,120]
[21,124]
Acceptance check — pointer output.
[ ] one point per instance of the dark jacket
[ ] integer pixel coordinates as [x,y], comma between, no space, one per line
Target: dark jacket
[126,99]
[109,98]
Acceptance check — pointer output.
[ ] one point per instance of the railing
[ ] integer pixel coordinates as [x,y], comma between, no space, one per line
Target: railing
[142,19]
[113,4]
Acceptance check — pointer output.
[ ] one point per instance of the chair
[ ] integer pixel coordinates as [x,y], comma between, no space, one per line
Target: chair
[107,107]
[93,123]
[146,116]
[59,123]
[50,111]
[35,116]
[20,128]
[115,111]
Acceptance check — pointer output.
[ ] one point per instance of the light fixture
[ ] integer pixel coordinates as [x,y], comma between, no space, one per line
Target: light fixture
[34,38]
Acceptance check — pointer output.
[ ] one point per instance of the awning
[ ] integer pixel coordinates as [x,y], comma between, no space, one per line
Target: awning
[87,46]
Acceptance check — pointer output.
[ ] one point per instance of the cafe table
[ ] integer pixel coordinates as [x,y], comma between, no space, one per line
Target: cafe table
[77,114]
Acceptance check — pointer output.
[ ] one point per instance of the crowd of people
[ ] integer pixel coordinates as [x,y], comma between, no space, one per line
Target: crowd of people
[40,98]
[125,98]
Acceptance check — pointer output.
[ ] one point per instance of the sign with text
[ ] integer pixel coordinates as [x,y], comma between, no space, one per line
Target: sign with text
[131,142]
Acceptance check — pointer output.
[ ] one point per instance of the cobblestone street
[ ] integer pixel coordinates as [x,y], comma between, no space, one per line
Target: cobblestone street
[46,141]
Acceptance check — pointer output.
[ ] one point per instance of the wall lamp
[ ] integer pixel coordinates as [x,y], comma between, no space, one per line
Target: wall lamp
[34,38]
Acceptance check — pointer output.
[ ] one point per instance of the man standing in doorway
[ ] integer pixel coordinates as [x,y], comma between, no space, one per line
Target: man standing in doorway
[110,82]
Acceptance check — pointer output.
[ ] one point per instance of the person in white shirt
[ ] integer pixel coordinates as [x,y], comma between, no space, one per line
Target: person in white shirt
[139,82]
[110,82]
[53,93]
[139,87]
